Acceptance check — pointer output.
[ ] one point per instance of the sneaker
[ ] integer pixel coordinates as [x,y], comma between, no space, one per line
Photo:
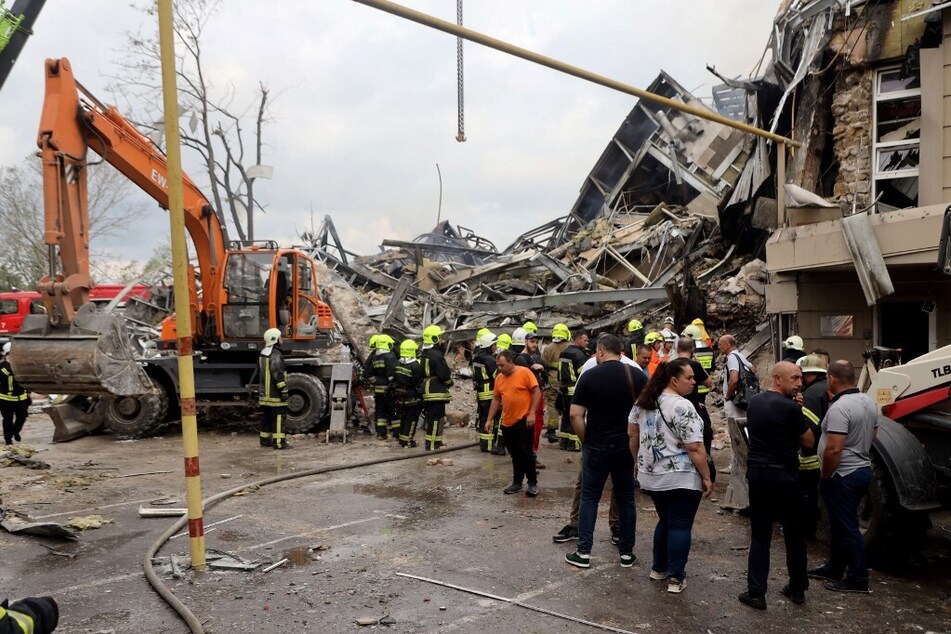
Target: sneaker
[757,603]
[16,437]
[615,538]
[532,490]
[580,560]
[658,576]
[822,573]
[512,488]
[848,586]
[799,598]
[675,586]
[566,534]
[627,560]
[552,438]
[498,451]
[265,442]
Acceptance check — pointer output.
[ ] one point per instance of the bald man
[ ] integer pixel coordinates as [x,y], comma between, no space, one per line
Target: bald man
[777,430]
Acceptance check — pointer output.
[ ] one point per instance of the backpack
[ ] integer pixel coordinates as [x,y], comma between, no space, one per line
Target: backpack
[747,385]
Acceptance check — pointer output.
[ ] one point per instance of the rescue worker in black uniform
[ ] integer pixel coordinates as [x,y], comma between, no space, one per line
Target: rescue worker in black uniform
[407,391]
[14,400]
[815,404]
[703,355]
[436,381]
[382,364]
[272,396]
[569,367]
[531,358]
[635,338]
[483,381]
[32,615]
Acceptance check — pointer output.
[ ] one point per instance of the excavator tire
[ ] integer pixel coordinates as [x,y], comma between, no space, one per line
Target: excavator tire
[130,417]
[892,534]
[306,403]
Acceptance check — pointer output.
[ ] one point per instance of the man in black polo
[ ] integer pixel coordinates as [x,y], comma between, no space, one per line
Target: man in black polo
[600,406]
[777,430]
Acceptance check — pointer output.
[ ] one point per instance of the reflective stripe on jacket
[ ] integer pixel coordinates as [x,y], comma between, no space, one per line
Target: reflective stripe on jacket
[10,390]
[273,375]
[484,370]
[569,367]
[436,375]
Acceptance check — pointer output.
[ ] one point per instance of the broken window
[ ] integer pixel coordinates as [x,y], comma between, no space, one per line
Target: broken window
[897,140]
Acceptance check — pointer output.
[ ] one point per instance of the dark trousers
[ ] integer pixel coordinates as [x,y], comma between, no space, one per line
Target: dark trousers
[14,416]
[775,496]
[518,440]
[809,485]
[576,503]
[707,428]
[566,433]
[493,439]
[676,510]
[272,424]
[409,417]
[435,416]
[842,495]
[597,464]
[383,404]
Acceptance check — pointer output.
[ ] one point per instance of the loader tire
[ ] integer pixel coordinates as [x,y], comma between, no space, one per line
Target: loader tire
[306,403]
[129,417]
[892,534]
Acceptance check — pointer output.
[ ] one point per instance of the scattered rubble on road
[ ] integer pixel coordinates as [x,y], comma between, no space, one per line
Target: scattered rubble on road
[22,524]
[88,522]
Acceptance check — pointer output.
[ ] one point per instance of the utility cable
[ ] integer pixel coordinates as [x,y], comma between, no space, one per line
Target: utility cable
[174,602]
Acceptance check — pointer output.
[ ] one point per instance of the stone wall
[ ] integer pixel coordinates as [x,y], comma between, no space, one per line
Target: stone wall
[852,136]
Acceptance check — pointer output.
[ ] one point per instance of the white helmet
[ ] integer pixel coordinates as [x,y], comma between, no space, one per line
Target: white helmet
[485,340]
[6,348]
[518,337]
[272,336]
[668,334]
[794,343]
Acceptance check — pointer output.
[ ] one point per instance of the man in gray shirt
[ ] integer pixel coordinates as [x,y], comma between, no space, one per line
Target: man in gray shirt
[848,431]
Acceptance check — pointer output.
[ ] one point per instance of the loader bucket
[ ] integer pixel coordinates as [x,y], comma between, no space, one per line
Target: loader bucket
[92,357]
[73,417]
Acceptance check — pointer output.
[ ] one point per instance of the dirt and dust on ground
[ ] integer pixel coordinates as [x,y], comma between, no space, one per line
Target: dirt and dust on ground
[344,536]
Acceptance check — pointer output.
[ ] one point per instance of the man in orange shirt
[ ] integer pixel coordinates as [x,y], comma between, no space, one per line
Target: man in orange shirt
[517,394]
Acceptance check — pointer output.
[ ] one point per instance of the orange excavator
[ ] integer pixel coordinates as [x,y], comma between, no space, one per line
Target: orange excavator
[245,288]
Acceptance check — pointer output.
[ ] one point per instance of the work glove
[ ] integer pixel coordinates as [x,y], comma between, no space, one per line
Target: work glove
[44,610]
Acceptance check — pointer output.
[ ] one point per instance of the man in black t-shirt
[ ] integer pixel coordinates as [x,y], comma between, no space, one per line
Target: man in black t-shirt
[600,406]
[685,348]
[776,431]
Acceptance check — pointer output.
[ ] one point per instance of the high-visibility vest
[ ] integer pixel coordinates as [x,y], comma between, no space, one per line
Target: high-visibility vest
[704,357]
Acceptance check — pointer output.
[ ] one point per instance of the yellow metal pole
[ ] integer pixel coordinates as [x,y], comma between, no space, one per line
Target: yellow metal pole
[781,185]
[511,49]
[176,214]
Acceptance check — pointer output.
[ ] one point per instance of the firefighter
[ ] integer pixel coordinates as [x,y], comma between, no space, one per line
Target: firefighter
[569,367]
[407,391]
[550,354]
[382,364]
[518,341]
[656,341]
[483,380]
[530,327]
[705,357]
[815,404]
[272,397]
[635,338]
[503,342]
[14,400]
[32,615]
[703,332]
[531,358]
[436,382]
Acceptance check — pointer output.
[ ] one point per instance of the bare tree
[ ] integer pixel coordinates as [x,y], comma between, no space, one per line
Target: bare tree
[21,215]
[215,130]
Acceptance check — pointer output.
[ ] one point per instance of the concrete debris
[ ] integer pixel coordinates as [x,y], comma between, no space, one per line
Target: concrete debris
[88,522]
[22,524]
[11,458]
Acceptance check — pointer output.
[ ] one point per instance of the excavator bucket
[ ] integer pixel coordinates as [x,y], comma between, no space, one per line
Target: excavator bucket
[92,357]
[73,417]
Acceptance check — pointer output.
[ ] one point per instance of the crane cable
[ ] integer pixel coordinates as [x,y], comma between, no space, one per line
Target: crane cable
[461,134]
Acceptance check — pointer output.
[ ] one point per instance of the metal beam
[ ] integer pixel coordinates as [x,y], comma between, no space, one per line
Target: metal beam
[580,297]
[445,248]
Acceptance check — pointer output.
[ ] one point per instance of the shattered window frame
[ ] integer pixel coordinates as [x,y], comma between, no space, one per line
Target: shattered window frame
[895,163]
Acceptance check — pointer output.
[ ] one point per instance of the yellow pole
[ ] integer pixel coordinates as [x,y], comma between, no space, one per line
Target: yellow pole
[176,214]
[511,49]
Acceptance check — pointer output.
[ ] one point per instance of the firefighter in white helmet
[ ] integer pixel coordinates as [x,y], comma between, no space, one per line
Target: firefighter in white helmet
[272,396]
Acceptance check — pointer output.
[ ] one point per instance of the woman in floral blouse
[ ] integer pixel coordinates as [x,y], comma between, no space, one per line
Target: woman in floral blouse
[667,437]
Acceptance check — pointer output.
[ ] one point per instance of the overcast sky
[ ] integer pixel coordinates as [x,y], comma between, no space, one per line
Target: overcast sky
[366,103]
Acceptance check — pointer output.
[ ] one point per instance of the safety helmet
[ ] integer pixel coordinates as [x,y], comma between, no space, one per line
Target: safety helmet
[373,341]
[503,342]
[431,334]
[653,337]
[481,332]
[408,349]
[6,348]
[669,335]
[518,337]
[271,336]
[697,322]
[530,327]
[485,340]
[668,320]
[634,325]
[811,363]
[385,342]
[560,333]
[693,332]
[794,343]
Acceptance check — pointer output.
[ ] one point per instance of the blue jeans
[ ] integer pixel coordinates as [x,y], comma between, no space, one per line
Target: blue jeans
[675,512]
[597,464]
[842,495]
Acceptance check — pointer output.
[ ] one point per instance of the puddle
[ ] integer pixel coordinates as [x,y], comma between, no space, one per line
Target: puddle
[299,556]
